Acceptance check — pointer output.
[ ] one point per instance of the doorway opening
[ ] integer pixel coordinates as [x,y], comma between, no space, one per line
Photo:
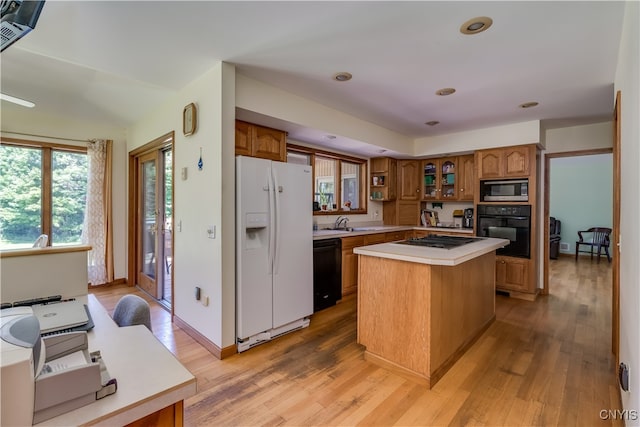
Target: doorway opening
[151,181]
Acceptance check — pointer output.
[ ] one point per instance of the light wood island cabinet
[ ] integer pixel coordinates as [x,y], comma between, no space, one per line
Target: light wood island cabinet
[420,309]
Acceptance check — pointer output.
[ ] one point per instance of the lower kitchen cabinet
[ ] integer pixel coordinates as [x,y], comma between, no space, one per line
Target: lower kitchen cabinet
[512,274]
[350,264]
[350,260]
[394,236]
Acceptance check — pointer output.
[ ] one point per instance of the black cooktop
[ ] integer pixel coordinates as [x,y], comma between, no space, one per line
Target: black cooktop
[440,241]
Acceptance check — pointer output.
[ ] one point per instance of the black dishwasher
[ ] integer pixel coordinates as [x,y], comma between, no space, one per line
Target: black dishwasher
[327,273]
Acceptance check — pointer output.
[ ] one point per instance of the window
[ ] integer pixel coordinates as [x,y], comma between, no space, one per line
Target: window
[42,191]
[339,184]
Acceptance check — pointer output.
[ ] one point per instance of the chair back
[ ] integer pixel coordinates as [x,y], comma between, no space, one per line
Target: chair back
[599,235]
[132,310]
[41,241]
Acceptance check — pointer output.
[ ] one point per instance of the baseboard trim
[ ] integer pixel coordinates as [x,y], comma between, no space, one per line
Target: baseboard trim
[116,282]
[220,353]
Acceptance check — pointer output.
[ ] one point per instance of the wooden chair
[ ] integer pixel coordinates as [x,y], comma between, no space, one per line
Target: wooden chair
[599,240]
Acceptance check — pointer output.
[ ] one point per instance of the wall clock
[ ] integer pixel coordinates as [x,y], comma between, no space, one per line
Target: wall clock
[189,119]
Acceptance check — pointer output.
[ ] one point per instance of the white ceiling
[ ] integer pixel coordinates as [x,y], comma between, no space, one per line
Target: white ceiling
[113,61]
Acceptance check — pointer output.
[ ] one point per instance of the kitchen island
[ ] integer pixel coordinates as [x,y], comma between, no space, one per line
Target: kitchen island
[421,308]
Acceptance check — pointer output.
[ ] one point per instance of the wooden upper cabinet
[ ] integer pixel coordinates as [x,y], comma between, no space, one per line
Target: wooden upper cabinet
[382,180]
[439,179]
[466,177]
[505,162]
[259,141]
[243,138]
[516,161]
[409,180]
[489,163]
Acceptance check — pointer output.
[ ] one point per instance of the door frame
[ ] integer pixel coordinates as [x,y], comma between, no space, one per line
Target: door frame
[547,179]
[163,142]
[615,279]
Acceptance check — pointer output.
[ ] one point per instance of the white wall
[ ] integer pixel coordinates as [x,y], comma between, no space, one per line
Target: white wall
[581,194]
[261,98]
[17,121]
[201,201]
[498,136]
[576,138]
[627,82]
[42,273]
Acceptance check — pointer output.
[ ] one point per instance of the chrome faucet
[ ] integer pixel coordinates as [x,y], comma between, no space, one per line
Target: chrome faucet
[341,220]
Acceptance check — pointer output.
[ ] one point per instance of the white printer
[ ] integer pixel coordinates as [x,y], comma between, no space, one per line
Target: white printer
[45,377]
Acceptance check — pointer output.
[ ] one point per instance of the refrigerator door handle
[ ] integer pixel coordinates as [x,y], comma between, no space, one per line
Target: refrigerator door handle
[272,214]
[277,190]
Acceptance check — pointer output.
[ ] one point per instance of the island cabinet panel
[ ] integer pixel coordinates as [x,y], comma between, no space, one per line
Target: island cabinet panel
[418,319]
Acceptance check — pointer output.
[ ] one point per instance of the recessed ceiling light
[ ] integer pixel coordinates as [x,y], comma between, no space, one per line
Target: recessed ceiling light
[330,137]
[446,91]
[342,77]
[18,101]
[528,104]
[476,25]
[382,151]
[432,123]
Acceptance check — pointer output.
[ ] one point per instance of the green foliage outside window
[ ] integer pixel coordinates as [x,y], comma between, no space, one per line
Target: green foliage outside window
[21,195]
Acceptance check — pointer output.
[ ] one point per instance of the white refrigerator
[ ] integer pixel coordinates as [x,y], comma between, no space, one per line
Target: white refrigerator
[274,249]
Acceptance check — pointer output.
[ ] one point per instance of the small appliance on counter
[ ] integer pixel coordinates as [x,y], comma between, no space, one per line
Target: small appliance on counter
[467,220]
[458,216]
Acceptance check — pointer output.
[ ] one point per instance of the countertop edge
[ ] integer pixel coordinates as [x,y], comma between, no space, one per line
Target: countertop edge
[392,228]
[431,256]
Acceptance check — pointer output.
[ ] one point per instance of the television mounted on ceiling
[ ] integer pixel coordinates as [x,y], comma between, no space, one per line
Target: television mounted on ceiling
[19,17]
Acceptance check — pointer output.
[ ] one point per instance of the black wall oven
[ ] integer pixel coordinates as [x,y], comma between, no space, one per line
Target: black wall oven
[511,222]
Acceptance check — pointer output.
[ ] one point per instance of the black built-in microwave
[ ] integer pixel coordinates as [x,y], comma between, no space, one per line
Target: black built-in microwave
[505,190]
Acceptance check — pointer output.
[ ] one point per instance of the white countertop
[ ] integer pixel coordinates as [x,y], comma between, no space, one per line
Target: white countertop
[360,231]
[433,256]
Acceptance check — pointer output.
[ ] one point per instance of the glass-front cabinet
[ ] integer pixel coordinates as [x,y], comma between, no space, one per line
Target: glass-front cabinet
[439,179]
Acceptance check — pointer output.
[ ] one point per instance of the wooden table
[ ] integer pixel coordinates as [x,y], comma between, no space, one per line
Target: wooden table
[152,383]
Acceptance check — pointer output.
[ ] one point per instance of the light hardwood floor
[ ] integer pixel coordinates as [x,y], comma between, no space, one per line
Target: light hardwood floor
[540,363]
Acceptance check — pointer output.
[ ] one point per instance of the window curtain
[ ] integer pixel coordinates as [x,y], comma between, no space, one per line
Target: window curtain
[97,229]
